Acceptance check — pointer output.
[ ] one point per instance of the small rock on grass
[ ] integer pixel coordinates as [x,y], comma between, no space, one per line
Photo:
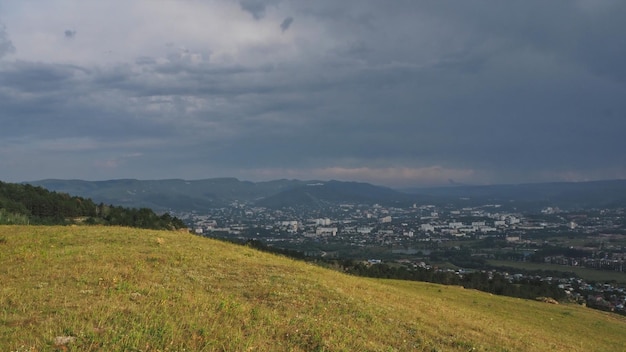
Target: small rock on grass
[64,340]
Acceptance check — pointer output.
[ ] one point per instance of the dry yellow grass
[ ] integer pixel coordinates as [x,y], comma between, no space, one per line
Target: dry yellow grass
[114,289]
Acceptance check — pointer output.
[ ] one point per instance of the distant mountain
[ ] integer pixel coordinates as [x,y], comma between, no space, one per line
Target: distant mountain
[567,195]
[182,195]
[173,194]
[320,194]
[218,192]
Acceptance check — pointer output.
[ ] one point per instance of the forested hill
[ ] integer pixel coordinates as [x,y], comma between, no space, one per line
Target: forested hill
[26,204]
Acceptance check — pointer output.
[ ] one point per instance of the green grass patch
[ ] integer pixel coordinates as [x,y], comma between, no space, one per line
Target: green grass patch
[114,289]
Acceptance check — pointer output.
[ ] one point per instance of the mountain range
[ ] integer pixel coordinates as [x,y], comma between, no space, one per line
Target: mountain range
[183,195]
[196,195]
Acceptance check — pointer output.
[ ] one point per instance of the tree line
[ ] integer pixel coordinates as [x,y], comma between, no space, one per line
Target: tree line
[496,283]
[27,204]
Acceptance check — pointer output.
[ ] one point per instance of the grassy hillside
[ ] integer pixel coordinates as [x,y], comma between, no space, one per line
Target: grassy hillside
[101,288]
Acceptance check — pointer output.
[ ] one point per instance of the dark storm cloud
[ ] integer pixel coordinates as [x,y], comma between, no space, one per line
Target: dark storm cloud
[55,100]
[145,60]
[585,32]
[37,77]
[255,7]
[6,46]
[286,23]
[516,91]
[69,33]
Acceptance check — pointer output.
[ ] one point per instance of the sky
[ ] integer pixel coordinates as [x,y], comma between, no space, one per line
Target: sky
[402,93]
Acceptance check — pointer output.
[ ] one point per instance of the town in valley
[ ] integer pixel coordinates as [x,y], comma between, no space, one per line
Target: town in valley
[581,251]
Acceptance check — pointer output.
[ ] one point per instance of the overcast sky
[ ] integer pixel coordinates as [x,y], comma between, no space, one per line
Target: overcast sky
[398,93]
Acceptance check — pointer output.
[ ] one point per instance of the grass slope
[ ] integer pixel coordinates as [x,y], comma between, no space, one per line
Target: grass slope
[108,289]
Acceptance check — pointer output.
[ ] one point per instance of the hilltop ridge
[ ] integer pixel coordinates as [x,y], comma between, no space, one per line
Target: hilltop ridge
[105,288]
[198,195]
[27,204]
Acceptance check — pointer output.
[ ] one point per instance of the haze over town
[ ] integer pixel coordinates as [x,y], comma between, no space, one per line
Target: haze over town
[400,93]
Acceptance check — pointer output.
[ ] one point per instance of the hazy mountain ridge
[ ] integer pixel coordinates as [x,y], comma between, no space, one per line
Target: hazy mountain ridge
[175,194]
[605,193]
[335,192]
[195,195]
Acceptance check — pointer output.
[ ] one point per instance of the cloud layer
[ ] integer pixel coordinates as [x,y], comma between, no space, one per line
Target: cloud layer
[400,93]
